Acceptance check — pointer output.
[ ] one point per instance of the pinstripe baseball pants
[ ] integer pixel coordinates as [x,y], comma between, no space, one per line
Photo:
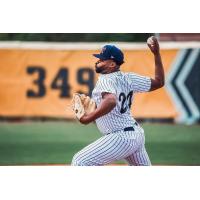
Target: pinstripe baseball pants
[128,145]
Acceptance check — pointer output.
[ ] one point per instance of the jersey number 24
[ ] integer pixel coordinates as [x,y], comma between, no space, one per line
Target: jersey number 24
[125,101]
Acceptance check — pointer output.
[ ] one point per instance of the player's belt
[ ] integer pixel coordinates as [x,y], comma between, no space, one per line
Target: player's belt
[129,129]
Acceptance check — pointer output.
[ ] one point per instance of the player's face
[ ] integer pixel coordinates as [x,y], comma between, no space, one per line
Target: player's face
[105,66]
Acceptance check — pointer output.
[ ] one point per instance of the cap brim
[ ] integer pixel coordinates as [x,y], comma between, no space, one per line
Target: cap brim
[99,56]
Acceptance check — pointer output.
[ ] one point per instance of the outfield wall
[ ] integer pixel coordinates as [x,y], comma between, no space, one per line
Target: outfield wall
[38,79]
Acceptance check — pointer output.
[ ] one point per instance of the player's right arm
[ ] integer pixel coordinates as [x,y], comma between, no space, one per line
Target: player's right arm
[107,104]
[108,92]
[159,79]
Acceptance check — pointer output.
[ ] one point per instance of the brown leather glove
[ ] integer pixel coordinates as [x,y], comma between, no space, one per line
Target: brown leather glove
[82,104]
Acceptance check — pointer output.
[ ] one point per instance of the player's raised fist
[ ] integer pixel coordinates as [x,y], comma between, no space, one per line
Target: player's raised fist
[153,44]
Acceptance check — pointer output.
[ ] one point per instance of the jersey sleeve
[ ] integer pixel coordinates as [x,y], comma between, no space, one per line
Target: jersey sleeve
[107,85]
[139,83]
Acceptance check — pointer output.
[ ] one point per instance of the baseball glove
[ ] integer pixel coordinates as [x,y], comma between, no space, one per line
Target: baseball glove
[82,104]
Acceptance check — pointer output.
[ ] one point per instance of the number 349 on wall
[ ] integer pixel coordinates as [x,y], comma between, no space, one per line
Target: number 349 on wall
[60,81]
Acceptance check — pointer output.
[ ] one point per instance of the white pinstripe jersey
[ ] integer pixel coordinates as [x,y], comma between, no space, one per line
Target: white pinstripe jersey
[124,86]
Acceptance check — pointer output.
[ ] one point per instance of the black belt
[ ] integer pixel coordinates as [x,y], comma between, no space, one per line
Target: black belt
[129,129]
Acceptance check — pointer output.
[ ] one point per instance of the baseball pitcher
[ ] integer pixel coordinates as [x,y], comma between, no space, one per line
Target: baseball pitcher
[109,107]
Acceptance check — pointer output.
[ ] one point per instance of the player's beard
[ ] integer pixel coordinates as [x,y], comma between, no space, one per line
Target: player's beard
[100,70]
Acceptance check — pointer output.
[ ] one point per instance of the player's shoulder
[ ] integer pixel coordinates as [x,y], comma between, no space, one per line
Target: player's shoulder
[133,75]
[110,76]
[117,76]
[128,75]
[106,80]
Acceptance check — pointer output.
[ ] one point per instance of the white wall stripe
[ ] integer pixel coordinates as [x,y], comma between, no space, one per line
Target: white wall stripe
[92,45]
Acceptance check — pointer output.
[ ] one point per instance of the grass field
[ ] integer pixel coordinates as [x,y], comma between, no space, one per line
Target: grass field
[57,142]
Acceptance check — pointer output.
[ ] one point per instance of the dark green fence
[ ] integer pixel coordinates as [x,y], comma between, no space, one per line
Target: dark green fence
[76,37]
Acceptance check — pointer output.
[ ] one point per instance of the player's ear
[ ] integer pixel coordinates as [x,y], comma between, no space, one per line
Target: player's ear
[113,63]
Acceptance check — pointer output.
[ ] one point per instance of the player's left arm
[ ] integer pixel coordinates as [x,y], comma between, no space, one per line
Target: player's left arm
[107,104]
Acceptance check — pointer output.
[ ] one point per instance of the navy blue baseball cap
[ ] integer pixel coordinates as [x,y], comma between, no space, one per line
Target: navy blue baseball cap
[111,52]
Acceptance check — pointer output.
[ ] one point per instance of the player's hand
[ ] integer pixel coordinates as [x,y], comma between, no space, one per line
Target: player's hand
[153,45]
[84,119]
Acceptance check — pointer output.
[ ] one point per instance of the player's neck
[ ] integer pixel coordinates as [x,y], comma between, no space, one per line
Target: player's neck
[117,70]
[110,72]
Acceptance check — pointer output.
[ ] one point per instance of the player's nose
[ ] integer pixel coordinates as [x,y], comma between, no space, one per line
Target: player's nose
[98,61]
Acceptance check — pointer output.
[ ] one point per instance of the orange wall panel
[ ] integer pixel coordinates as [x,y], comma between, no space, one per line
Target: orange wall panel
[19,74]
